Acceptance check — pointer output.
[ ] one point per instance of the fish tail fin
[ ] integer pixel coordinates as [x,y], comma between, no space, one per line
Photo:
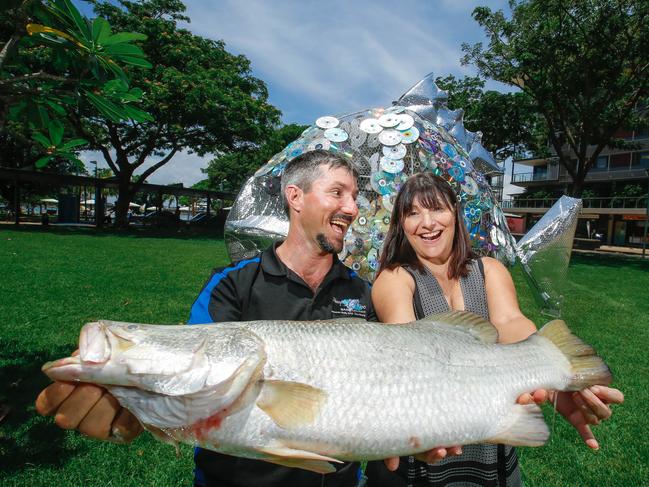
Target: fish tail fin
[587,368]
[527,427]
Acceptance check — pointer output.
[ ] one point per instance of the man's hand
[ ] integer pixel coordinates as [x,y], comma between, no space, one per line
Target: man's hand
[430,456]
[89,409]
[583,408]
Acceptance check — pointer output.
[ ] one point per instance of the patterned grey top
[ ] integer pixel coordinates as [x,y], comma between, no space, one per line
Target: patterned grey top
[479,465]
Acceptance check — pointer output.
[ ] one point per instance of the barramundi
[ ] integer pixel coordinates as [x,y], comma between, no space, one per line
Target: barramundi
[307,393]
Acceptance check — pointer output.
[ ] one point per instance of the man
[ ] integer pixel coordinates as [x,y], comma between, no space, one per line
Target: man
[298,279]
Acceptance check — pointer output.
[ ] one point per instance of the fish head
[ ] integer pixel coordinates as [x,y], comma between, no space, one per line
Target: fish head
[97,360]
[170,360]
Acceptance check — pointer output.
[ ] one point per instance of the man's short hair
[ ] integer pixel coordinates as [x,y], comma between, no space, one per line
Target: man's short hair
[305,169]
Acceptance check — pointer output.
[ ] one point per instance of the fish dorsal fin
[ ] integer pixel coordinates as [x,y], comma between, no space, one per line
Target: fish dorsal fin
[476,325]
[291,404]
[291,457]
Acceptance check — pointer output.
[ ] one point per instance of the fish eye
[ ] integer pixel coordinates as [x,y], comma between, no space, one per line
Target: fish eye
[131,327]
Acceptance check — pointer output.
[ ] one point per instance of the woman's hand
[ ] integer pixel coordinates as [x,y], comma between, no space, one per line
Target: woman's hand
[582,409]
[430,456]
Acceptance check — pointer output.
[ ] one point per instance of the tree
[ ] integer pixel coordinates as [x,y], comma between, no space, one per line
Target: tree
[229,171]
[52,59]
[509,124]
[202,98]
[583,63]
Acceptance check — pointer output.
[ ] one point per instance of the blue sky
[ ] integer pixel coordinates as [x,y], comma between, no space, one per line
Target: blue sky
[332,57]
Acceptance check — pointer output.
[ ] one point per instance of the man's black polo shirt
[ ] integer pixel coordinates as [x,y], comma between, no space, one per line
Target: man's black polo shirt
[263,288]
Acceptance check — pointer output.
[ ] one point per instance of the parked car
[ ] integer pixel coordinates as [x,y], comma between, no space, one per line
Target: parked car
[161,219]
[202,218]
[214,221]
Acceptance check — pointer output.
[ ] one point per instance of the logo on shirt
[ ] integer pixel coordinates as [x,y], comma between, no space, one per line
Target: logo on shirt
[349,307]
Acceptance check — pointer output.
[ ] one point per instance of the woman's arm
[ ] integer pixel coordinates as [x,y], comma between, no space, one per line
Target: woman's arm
[582,409]
[504,313]
[392,296]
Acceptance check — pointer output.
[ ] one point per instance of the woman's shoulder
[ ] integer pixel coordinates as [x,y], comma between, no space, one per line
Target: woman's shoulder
[489,263]
[395,276]
[494,270]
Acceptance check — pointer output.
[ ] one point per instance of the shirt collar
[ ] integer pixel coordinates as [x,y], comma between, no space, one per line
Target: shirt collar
[272,265]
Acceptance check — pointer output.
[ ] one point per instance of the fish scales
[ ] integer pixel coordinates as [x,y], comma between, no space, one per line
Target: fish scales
[373,390]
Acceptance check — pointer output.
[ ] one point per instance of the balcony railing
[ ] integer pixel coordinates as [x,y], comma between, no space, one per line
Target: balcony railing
[630,202]
[551,175]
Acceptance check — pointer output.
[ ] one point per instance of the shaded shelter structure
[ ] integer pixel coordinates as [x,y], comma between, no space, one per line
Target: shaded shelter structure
[19,178]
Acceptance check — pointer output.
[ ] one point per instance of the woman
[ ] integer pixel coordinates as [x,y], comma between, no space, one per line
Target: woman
[427,267]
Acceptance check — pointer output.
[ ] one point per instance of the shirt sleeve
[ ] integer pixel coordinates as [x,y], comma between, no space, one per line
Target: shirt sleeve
[218,301]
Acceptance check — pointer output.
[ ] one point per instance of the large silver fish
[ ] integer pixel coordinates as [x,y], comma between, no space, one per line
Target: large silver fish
[304,394]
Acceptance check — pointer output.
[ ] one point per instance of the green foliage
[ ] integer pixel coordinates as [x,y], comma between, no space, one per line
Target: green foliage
[589,193]
[630,190]
[509,124]
[202,98]
[583,63]
[229,171]
[55,60]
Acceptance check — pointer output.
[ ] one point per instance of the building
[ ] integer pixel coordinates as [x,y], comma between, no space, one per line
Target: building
[614,195]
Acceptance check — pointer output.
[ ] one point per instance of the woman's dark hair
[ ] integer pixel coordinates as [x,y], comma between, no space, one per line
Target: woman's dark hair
[432,192]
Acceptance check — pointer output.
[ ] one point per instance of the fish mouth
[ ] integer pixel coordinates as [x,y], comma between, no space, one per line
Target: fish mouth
[94,344]
[94,351]
[65,369]
[74,360]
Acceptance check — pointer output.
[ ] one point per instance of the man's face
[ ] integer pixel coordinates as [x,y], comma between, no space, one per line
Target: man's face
[329,208]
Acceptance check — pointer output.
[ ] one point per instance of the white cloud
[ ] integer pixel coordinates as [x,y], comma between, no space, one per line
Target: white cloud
[331,57]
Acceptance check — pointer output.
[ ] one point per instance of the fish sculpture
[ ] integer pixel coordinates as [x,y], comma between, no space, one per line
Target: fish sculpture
[418,132]
[305,394]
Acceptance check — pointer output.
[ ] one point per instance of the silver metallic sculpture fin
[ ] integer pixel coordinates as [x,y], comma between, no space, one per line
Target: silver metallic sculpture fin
[424,92]
[544,253]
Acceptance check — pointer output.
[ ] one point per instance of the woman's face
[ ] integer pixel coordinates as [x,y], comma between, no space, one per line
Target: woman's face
[430,232]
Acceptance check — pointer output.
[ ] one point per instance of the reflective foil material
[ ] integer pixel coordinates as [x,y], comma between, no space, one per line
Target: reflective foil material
[544,253]
[387,145]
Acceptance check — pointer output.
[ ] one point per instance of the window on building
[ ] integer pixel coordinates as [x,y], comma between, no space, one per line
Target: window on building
[640,159]
[620,161]
[540,172]
[601,164]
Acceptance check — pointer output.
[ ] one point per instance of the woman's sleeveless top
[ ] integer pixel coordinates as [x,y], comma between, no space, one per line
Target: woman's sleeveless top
[479,465]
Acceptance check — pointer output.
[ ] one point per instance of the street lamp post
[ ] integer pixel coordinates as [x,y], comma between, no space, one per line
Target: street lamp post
[646,219]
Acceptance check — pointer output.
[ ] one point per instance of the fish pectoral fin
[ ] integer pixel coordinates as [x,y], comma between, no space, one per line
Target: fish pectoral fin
[526,428]
[476,325]
[163,436]
[316,466]
[290,457]
[290,404]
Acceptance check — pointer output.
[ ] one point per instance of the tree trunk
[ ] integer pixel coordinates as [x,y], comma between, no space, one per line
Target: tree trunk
[577,186]
[126,192]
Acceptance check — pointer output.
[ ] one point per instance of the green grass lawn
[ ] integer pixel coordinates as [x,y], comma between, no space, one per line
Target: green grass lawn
[53,283]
